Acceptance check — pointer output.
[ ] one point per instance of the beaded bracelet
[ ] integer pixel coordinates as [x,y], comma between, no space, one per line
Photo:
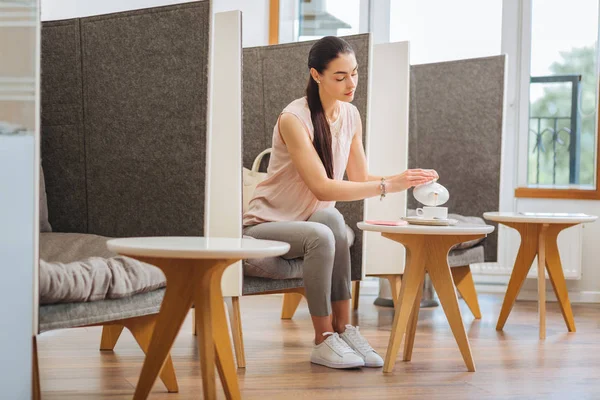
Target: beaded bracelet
[383,188]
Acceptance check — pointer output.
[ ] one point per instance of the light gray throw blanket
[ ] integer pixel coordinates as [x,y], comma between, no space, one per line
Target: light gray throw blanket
[77,267]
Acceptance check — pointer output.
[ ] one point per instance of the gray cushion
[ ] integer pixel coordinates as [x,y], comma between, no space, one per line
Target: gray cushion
[79,268]
[254,285]
[468,220]
[43,203]
[281,268]
[71,315]
[458,258]
[273,268]
[96,278]
[68,247]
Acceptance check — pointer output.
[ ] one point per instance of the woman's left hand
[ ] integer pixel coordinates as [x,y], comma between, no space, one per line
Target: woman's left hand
[434,172]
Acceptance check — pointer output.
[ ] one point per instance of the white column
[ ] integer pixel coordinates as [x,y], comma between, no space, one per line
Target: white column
[379,20]
[19,226]
[223,205]
[387,150]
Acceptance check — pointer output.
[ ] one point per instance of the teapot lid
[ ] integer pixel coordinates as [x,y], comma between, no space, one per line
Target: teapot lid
[431,194]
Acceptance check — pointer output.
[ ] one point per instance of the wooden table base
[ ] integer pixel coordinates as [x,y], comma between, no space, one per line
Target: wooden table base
[538,239]
[426,253]
[197,281]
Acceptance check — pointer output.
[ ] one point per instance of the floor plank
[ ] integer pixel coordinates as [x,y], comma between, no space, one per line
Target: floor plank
[513,364]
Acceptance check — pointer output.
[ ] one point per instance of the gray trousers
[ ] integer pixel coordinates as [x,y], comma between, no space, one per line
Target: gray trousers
[323,244]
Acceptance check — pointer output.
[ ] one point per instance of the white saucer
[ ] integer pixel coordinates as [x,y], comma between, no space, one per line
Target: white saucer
[432,222]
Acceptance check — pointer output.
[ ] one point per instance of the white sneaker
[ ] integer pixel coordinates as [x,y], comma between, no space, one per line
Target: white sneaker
[335,353]
[359,344]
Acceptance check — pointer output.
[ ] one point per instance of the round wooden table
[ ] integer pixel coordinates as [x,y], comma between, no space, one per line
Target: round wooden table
[193,267]
[539,232]
[427,250]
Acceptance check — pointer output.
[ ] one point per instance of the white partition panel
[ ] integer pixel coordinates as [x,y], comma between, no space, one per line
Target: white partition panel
[19,186]
[387,150]
[224,139]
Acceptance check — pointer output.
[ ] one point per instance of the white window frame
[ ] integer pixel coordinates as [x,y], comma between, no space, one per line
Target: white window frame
[516,42]
[523,77]
[377,19]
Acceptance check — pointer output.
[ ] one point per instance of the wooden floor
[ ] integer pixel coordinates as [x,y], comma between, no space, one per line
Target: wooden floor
[513,364]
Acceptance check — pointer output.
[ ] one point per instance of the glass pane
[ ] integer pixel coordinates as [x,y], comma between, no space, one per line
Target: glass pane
[17,66]
[318,18]
[442,30]
[563,88]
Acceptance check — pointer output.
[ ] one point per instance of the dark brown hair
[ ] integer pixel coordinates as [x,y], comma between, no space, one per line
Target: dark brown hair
[321,54]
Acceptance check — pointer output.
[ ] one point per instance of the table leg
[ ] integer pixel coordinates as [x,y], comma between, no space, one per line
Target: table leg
[35,372]
[463,280]
[426,252]
[441,277]
[557,276]
[142,329]
[542,280]
[527,252]
[175,306]
[533,243]
[409,339]
[414,273]
[204,330]
[220,334]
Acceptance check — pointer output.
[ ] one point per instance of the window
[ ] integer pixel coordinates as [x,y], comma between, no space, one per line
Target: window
[312,19]
[558,100]
[442,30]
[562,94]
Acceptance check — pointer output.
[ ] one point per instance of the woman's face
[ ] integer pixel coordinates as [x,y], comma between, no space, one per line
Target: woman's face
[340,78]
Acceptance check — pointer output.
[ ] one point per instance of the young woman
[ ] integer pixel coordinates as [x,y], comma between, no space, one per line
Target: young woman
[315,140]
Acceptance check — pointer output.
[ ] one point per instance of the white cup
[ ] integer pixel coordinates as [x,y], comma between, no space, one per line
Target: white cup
[429,212]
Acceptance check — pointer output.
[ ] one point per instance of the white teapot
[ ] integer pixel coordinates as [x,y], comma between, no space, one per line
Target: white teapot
[431,194]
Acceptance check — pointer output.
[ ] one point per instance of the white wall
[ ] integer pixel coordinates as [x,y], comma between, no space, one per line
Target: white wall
[64,9]
[442,30]
[255,19]
[255,13]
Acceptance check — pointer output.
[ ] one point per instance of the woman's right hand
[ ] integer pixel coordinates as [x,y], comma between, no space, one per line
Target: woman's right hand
[410,178]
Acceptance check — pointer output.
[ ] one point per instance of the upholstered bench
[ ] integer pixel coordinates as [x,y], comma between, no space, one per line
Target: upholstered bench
[123,147]
[82,283]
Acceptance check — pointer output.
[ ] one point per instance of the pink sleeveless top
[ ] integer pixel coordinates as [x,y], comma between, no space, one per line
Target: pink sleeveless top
[283,195]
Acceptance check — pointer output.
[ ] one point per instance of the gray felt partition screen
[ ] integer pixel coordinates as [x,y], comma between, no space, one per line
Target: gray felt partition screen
[124,109]
[456,116]
[274,76]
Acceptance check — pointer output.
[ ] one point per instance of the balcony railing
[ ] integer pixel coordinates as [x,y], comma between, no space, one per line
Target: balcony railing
[562,138]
